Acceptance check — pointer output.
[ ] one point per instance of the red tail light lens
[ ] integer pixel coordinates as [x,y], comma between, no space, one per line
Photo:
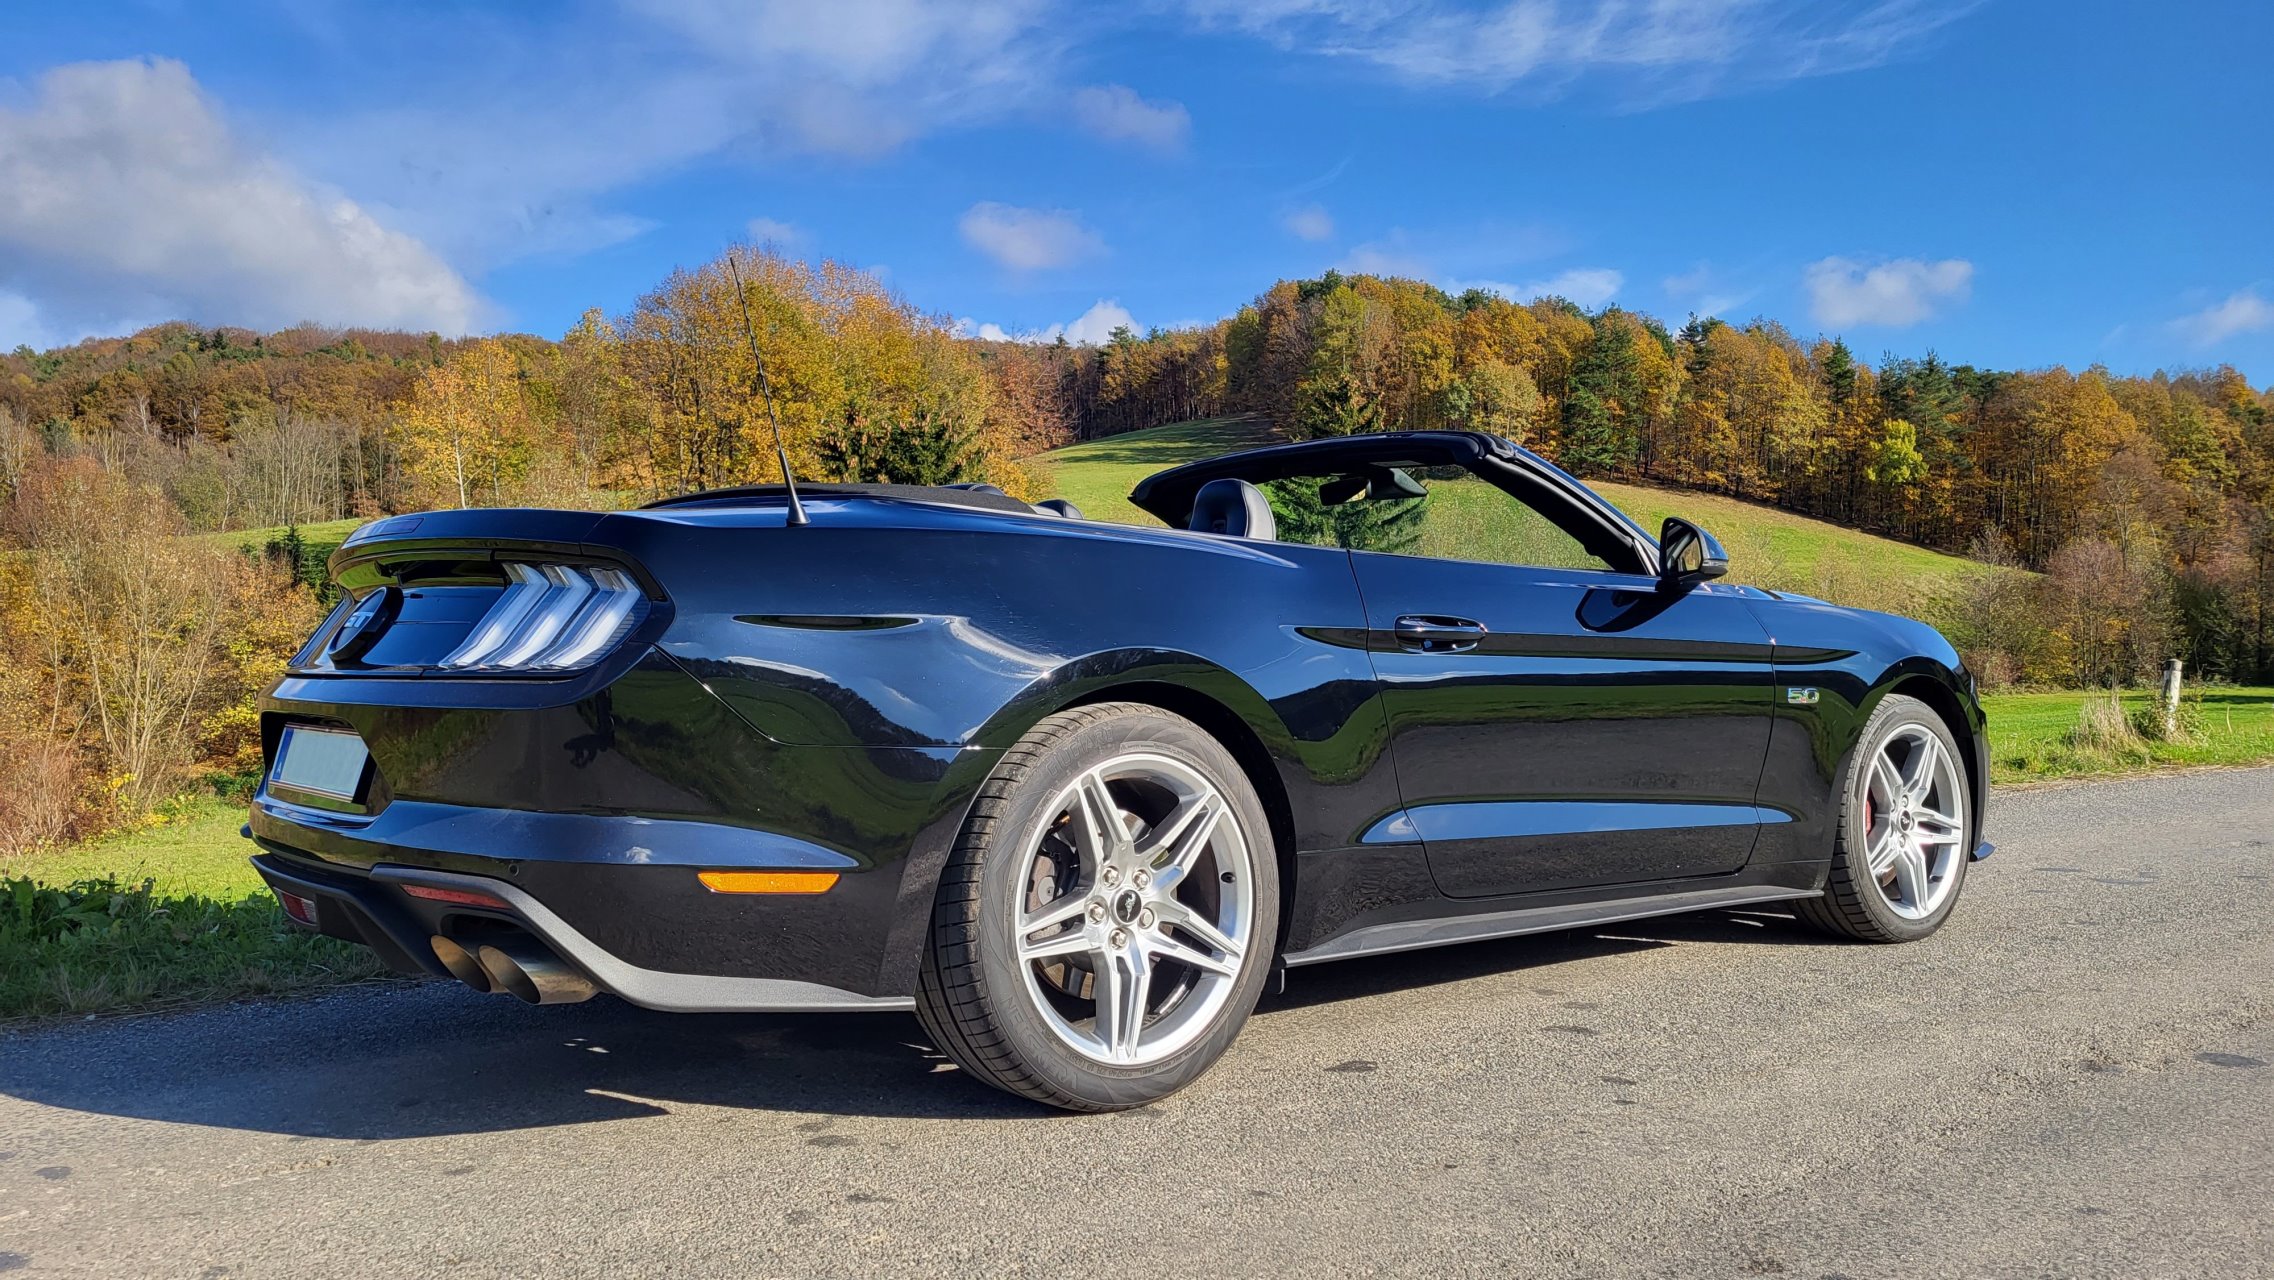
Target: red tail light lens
[459,897]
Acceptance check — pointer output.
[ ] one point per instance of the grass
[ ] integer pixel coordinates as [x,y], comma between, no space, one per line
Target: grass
[2036,736]
[166,915]
[197,852]
[1098,476]
[1767,547]
[322,533]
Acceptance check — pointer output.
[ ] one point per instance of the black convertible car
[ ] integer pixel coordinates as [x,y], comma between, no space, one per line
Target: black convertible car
[1076,792]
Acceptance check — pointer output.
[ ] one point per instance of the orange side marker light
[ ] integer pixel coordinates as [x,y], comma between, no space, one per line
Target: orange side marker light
[768,881]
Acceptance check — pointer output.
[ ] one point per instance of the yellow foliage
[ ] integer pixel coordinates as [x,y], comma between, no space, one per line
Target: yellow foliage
[841,353]
[471,433]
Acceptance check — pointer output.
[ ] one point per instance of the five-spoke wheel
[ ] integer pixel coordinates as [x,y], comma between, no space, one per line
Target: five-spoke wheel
[1902,849]
[1106,922]
[1136,910]
[1915,829]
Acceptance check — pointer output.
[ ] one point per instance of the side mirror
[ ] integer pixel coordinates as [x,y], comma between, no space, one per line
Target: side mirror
[1687,556]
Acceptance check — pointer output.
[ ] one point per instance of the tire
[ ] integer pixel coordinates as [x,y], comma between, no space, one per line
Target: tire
[1906,897]
[1047,925]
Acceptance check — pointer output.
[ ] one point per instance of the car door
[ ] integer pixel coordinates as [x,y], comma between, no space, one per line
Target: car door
[1554,727]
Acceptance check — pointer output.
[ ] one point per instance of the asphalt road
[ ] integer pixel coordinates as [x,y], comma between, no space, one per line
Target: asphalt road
[2072,1079]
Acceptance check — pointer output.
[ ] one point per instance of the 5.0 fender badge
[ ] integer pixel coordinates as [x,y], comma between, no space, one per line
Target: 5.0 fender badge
[1800,697]
[372,616]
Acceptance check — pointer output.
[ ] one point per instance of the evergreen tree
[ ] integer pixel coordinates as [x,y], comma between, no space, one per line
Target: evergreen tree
[1386,524]
[921,449]
[1600,430]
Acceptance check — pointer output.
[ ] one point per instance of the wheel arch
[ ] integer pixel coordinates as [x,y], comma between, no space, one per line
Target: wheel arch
[1217,700]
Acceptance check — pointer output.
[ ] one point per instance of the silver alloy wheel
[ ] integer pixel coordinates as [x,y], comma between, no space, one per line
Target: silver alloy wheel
[1914,822]
[1135,909]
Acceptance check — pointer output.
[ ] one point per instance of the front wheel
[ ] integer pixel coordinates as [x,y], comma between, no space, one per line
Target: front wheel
[1107,920]
[1905,822]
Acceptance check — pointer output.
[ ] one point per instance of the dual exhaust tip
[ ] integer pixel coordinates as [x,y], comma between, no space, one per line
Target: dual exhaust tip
[519,967]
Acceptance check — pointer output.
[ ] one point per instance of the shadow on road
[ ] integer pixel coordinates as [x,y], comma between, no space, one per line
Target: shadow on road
[433,1059]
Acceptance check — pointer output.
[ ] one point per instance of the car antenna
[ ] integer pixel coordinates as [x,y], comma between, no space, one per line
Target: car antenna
[766,392]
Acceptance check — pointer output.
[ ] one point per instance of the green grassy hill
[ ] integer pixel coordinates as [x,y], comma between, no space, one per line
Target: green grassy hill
[1098,476]
[1767,547]
[326,533]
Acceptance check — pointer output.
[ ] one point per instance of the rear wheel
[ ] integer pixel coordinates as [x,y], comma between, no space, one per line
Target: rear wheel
[1106,921]
[1903,847]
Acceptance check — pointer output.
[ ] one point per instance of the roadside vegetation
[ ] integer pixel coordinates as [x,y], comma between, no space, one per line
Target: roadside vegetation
[2037,737]
[166,914]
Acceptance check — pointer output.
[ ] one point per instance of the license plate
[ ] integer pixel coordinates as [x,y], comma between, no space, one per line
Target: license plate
[328,762]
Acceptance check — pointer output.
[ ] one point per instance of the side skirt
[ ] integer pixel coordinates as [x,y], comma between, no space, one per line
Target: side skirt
[1413,935]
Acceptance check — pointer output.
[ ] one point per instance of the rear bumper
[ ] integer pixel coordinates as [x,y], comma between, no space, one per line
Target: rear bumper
[601,811]
[372,907]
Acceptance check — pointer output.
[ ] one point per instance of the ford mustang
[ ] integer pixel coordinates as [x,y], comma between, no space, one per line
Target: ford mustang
[1076,792]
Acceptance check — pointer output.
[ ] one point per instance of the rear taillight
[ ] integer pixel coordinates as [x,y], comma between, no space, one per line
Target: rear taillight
[551,617]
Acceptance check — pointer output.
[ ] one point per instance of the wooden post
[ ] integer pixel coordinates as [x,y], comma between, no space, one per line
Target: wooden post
[2171,698]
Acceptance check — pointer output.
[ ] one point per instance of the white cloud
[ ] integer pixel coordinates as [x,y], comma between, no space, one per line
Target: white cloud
[1469,252]
[124,193]
[1673,49]
[862,44]
[776,232]
[1589,287]
[1096,325]
[1115,112]
[490,161]
[20,325]
[1093,327]
[1706,292]
[1843,292]
[1310,222]
[2244,312]
[1391,255]
[1025,240]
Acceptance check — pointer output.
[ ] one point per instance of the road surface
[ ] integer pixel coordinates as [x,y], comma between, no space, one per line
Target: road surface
[2072,1079]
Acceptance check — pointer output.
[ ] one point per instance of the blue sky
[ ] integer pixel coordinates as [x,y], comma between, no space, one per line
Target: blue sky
[2014,184]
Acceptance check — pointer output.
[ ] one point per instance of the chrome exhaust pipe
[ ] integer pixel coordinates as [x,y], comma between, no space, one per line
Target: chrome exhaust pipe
[462,964]
[525,969]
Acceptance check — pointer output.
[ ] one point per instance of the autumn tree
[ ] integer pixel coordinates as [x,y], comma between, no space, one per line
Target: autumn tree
[470,431]
[137,636]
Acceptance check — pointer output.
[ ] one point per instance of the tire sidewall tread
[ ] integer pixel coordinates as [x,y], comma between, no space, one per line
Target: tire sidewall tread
[1851,905]
[971,996]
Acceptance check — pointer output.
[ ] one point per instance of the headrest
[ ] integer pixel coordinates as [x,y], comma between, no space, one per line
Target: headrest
[1059,507]
[1232,507]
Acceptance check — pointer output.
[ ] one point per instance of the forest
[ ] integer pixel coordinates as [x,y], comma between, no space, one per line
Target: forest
[2135,512]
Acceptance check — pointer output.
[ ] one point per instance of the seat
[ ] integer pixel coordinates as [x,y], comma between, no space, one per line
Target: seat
[1234,508]
[1060,507]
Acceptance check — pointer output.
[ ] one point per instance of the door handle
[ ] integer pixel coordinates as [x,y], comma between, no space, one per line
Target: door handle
[1429,633]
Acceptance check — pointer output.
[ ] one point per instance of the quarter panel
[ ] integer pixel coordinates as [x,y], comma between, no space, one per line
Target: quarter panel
[968,630]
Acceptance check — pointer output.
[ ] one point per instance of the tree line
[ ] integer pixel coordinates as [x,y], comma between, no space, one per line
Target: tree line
[2142,507]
